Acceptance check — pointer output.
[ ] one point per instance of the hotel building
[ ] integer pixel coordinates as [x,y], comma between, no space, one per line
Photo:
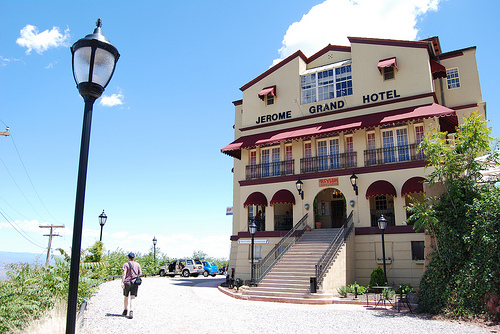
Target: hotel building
[345,125]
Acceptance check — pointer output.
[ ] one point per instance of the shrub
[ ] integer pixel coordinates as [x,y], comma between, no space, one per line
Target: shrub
[377,277]
[343,291]
[361,289]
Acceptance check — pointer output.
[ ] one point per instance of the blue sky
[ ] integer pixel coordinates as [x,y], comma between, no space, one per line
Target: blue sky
[155,164]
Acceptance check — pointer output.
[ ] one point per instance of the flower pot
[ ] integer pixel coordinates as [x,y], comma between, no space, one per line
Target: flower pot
[318,224]
[308,228]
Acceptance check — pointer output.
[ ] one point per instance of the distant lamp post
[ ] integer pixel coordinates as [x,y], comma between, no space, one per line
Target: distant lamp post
[154,248]
[94,59]
[354,182]
[299,185]
[253,229]
[382,224]
[102,221]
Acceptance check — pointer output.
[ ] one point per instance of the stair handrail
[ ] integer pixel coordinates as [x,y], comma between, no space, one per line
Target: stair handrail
[326,260]
[270,260]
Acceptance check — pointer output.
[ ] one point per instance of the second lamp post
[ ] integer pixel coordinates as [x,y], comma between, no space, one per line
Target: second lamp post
[253,229]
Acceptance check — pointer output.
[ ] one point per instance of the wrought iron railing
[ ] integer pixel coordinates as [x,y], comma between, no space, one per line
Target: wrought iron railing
[328,162]
[388,214]
[272,169]
[326,260]
[387,155]
[268,262]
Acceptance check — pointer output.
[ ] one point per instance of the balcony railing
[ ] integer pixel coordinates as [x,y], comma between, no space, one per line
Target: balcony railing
[271,169]
[328,162]
[388,214]
[389,155]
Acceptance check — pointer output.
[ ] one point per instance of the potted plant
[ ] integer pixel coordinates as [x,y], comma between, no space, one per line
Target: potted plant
[317,218]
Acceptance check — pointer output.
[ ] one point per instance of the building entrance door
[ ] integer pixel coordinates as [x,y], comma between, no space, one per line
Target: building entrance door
[338,213]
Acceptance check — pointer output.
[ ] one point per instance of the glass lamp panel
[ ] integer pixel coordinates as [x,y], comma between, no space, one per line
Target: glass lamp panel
[104,64]
[81,64]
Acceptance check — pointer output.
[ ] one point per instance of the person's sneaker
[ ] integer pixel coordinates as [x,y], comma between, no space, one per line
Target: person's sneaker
[124,312]
[131,315]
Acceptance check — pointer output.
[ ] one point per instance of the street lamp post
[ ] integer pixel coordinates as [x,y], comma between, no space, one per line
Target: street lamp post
[94,59]
[253,229]
[102,221]
[382,224]
[154,249]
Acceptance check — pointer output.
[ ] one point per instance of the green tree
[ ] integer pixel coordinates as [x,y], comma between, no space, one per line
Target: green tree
[464,221]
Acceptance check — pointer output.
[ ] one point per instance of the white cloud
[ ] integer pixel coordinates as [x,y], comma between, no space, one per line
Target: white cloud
[332,21]
[6,61]
[41,42]
[113,100]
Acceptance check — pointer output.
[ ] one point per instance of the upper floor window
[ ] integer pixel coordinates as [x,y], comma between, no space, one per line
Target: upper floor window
[328,154]
[328,83]
[452,78]
[388,73]
[395,144]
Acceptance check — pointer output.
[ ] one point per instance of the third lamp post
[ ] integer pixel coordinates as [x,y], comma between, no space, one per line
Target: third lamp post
[102,221]
[382,224]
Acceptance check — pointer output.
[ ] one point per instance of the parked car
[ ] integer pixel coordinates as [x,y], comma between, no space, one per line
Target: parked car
[183,267]
[210,268]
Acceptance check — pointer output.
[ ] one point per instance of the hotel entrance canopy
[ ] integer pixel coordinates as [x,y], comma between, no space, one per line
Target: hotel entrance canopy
[342,125]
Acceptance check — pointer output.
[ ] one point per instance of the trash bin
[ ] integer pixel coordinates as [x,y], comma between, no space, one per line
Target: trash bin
[312,282]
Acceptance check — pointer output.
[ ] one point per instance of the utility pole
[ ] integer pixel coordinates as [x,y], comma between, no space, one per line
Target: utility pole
[52,234]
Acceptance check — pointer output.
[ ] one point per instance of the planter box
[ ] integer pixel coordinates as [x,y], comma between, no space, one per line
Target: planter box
[386,261]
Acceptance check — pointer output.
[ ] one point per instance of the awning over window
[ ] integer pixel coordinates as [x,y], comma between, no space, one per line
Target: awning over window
[283,196]
[390,62]
[413,185]
[438,70]
[380,188]
[256,198]
[338,126]
[267,91]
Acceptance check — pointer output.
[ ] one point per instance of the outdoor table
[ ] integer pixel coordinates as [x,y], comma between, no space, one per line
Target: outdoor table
[381,296]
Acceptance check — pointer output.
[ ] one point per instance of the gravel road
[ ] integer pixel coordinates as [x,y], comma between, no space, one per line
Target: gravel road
[195,305]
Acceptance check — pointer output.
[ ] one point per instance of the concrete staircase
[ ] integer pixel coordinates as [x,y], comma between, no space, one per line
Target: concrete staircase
[289,280]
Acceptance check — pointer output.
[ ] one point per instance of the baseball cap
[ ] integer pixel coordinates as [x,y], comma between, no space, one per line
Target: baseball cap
[131,255]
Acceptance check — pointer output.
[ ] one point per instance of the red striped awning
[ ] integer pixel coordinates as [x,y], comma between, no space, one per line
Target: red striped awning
[380,188]
[343,125]
[413,185]
[256,198]
[267,91]
[283,196]
[389,62]
[438,70]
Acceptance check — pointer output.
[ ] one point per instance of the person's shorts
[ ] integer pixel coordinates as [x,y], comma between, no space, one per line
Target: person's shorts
[130,288]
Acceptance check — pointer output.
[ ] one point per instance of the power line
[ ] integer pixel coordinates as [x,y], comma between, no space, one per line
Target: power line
[17,228]
[29,178]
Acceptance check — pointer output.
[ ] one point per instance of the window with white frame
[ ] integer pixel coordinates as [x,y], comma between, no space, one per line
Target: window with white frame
[253,163]
[452,78]
[419,137]
[349,150]
[307,157]
[265,161]
[371,147]
[276,166]
[289,159]
[326,84]
[395,144]
[269,99]
[417,250]
[328,154]
[257,252]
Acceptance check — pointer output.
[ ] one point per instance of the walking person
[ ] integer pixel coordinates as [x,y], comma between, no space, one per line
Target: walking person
[131,270]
